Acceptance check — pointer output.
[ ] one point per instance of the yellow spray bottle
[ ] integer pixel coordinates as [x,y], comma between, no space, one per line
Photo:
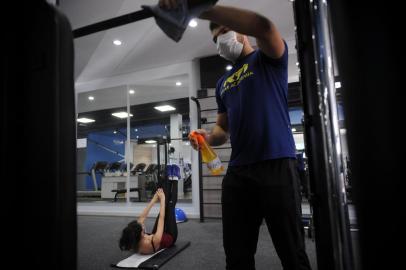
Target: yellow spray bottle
[208,155]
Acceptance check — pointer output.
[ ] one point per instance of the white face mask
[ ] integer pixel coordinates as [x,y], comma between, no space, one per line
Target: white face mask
[228,46]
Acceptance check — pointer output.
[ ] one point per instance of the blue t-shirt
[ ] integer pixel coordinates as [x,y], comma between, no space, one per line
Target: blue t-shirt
[254,96]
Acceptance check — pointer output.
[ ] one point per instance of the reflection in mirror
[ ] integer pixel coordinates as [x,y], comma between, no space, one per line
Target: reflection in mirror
[101,153]
[102,128]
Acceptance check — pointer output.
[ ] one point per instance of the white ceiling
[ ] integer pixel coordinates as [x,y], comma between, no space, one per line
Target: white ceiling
[145,46]
[152,91]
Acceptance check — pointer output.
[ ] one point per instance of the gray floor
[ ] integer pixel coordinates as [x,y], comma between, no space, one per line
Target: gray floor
[98,245]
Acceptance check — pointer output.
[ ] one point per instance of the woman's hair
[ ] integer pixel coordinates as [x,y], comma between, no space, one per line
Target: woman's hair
[131,236]
[213,26]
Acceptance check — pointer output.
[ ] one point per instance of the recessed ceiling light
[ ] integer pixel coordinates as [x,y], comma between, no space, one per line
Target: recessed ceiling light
[117,42]
[85,120]
[178,83]
[121,114]
[131,91]
[165,108]
[91,98]
[229,67]
[193,23]
[337,84]
[150,141]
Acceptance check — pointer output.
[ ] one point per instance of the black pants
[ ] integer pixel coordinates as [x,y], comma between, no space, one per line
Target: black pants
[171,197]
[266,190]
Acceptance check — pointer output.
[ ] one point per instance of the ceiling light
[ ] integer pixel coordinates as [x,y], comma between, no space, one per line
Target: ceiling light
[178,83]
[337,84]
[121,114]
[150,141]
[117,42]
[131,91]
[115,131]
[229,67]
[165,108]
[85,120]
[293,129]
[91,98]
[193,23]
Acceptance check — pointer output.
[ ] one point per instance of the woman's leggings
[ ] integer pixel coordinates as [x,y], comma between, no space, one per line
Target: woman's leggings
[171,198]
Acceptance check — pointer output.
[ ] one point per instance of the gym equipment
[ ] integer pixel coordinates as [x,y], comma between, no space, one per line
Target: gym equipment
[122,191]
[114,166]
[187,182]
[123,167]
[148,179]
[139,168]
[113,169]
[153,261]
[180,215]
[39,123]
[98,167]
[199,125]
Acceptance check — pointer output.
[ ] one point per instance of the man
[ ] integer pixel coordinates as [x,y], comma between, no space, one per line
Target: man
[261,181]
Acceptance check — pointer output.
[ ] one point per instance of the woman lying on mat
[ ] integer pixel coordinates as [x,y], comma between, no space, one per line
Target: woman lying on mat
[165,232]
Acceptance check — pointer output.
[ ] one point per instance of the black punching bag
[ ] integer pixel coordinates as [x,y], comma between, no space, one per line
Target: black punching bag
[38,152]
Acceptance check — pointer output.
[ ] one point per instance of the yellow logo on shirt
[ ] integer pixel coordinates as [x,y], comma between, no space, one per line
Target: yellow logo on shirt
[236,78]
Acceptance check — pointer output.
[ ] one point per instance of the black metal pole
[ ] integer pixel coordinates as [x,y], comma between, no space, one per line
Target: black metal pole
[111,23]
[166,152]
[158,156]
[199,125]
[164,175]
[313,136]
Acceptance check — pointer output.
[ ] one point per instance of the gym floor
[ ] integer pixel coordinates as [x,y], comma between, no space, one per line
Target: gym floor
[98,245]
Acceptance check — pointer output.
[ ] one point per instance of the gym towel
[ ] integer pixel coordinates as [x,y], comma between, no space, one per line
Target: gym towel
[173,22]
[153,261]
[135,260]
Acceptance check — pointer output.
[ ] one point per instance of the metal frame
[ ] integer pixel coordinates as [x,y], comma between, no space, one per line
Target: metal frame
[199,125]
[322,135]
[111,23]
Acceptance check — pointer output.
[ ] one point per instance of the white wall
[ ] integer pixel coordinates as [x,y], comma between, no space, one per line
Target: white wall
[142,154]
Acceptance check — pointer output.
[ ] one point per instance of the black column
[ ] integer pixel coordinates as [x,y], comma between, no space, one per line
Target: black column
[370,57]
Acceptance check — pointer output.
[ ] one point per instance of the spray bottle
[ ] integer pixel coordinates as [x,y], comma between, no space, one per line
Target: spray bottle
[208,155]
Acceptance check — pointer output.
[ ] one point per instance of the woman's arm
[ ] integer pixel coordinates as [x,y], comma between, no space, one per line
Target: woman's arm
[145,212]
[161,222]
